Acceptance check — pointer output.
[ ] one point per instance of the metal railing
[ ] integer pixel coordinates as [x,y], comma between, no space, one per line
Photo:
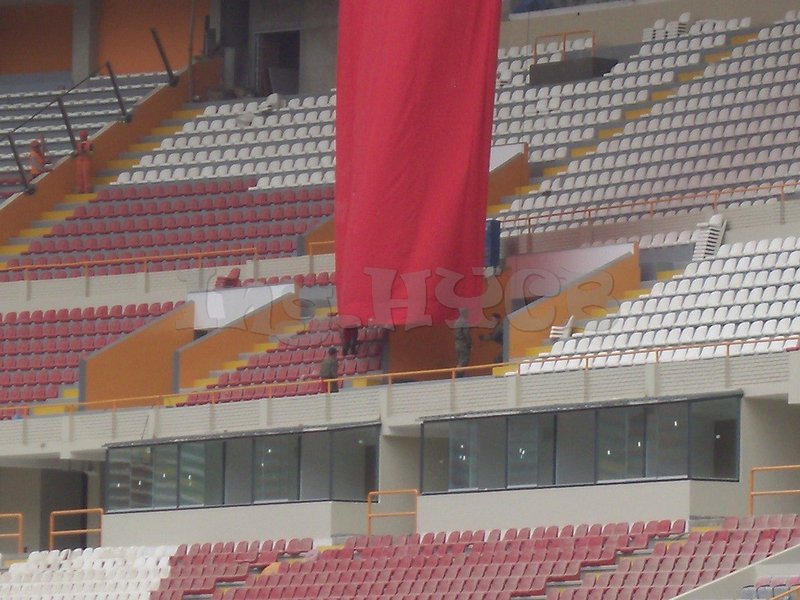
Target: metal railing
[54,533]
[756,494]
[787,593]
[375,494]
[19,534]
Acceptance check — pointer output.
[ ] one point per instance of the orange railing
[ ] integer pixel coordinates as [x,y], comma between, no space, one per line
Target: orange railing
[54,533]
[268,390]
[19,534]
[652,205]
[143,260]
[787,593]
[563,36]
[374,495]
[754,494]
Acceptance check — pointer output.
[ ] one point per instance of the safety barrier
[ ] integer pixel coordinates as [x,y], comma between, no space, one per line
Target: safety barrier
[19,534]
[375,494]
[54,533]
[755,494]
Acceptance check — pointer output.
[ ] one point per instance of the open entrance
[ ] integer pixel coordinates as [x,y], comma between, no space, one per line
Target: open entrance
[278,63]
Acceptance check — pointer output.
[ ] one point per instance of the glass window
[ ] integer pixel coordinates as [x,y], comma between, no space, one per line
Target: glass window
[620,443]
[315,465]
[165,476]
[715,438]
[435,457]
[463,455]
[355,462]
[118,496]
[276,468]
[239,471]
[530,450]
[141,482]
[667,441]
[575,447]
[201,473]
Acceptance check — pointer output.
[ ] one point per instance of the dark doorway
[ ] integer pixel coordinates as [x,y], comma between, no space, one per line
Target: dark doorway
[278,63]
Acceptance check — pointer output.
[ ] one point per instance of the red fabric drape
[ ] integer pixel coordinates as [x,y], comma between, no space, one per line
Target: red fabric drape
[415,96]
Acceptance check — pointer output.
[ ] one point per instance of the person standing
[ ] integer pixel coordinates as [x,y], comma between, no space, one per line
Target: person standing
[329,369]
[463,338]
[83,154]
[38,160]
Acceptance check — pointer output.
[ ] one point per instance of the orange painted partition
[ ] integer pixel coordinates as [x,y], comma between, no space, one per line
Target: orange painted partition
[196,360]
[529,326]
[140,364]
[35,38]
[123,33]
[24,209]
[511,175]
[321,240]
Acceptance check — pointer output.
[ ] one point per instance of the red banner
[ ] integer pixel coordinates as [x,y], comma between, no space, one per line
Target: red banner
[415,95]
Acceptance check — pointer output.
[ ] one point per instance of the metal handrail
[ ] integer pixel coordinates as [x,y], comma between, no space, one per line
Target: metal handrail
[64,532]
[19,535]
[754,494]
[787,593]
[389,379]
[371,496]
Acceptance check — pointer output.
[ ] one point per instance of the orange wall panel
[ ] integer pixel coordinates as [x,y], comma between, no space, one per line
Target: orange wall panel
[35,38]
[140,364]
[505,180]
[124,38]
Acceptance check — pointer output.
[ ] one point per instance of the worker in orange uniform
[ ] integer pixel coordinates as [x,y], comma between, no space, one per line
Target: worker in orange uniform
[38,160]
[83,153]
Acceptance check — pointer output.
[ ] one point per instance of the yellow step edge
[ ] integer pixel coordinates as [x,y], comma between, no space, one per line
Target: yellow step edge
[104,180]
[205,382]
[637,113]
[171,401]
[504,370]
[187,113]
[553,171]
[34,232]
[233,364]
[716,56]
[604,134]
[56,215]
[79,198]
[497,208]
[293,328]
[324,311]
[55,409]
[527,189]
[660,95]
[596,311]
[537,350]
[166,130]
[145,147]
[71,393]
[123,163]
[738,40]
[664,275]
[3,265]
[265,346]
[360,382]
[689,75]
[633,294]
[13,249]
[582,151]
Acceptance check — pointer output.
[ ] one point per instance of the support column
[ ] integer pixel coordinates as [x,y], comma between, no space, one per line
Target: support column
[84,38]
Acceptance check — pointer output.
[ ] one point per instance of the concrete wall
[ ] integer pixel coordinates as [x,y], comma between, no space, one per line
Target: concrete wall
[18,489]
[320,520]
[399,469]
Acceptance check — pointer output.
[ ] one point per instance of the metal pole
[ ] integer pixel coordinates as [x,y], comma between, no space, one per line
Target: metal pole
[189,74]
[125,114]
[22,176]
[173,80]
[67,124]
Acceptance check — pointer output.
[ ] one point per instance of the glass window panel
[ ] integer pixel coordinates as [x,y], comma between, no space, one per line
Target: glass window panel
[620,443]
[435,457]
[315,465]
[715,438]
[575,447]
[165,476]
[463,455]
[141,482]
[491,454]
[530,450]
[118,493]
[276,468]
[667,440]
[355,462]
[239,471]
[201,473]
